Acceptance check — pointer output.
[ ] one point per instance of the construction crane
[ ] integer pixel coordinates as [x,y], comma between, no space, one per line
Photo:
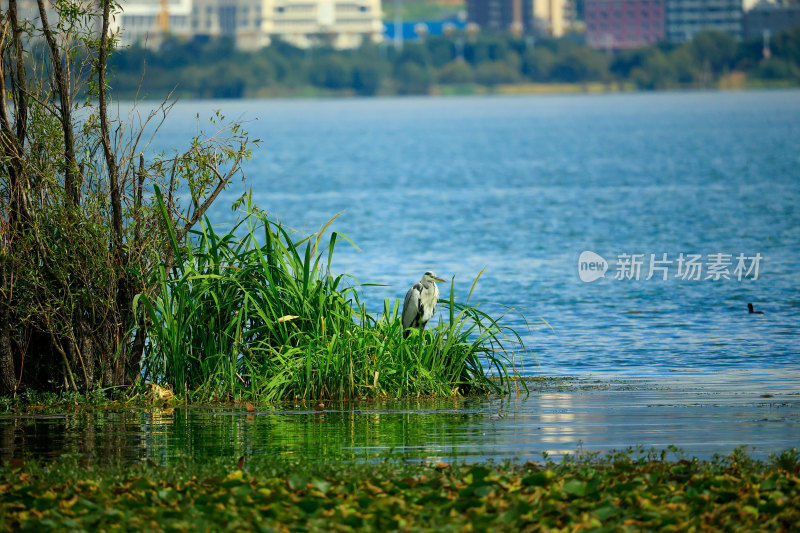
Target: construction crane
[162,19]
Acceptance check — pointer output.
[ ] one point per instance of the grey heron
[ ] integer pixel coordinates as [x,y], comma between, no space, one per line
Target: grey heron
[420,302]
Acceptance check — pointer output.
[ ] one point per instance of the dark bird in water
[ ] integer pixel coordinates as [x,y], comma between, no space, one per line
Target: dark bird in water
[420,303]
[752,312]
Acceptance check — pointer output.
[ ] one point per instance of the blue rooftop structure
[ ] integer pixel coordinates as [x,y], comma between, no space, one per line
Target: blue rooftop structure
[409,29]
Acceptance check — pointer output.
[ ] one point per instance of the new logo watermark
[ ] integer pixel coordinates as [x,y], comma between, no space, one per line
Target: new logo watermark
[689,267]
[591,266]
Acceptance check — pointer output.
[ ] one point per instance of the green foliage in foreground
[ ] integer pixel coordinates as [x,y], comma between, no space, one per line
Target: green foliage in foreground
[261,317]
[619,492]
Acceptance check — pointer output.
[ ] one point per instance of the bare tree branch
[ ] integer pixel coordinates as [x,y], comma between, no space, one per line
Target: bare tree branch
[65,107]
[110,157]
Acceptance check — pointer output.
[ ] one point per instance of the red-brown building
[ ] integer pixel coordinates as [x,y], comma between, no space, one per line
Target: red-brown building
[615,24]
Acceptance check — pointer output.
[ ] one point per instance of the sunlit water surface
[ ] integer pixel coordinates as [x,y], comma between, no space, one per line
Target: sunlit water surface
[700,416]
[522,186]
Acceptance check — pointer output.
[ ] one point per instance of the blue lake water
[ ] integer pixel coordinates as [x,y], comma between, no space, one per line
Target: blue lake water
[523,185]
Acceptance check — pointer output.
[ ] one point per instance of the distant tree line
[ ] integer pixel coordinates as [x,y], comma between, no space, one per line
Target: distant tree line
[215,69]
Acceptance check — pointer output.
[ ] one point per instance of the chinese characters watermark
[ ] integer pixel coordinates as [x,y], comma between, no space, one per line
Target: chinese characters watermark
[689,267]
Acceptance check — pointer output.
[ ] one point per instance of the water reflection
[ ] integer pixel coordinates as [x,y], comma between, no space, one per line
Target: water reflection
[558,425]
[697,414]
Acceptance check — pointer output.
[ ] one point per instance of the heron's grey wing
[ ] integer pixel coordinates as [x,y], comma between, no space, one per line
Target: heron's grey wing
[411,305]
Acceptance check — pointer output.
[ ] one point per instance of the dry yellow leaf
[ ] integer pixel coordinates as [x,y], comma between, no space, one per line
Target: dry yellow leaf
[159,394]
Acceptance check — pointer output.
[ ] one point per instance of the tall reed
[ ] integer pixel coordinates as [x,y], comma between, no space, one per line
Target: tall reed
[262,317]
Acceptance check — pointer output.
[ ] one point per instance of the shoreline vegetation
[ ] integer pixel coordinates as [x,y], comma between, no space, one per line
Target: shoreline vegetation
[736,83]
[153,396]
[632,490]
[112,279]
[455,64]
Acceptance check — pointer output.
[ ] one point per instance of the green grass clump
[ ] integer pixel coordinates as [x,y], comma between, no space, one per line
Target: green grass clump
[261,317]
[616,492]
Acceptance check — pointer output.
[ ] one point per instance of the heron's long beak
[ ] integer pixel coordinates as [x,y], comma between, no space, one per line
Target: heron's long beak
[441,280]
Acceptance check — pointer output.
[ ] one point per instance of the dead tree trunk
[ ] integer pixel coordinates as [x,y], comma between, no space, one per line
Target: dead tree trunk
[8,381]
[12,141]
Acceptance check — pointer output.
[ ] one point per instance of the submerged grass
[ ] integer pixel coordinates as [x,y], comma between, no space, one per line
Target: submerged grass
[628,491]
[261,317]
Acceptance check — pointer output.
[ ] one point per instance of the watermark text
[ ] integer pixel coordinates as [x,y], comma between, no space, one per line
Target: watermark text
[662,266]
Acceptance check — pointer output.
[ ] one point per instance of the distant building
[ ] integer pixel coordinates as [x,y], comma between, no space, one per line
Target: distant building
[548,17]
[685,18]
[537,17]
[252,24]
[617,24]
[342,23]
[29,10]
[574,15]
[240,20]
[570,10]
[146,21]
[771,18]
[500,15]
